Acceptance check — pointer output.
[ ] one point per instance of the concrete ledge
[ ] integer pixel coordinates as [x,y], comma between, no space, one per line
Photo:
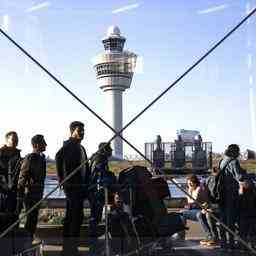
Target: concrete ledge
[60,203]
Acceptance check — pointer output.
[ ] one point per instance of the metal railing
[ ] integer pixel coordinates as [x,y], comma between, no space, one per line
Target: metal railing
[118,133]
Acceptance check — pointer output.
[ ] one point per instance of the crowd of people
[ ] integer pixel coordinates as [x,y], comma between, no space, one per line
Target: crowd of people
[21,180]
[227,194]
[22,184]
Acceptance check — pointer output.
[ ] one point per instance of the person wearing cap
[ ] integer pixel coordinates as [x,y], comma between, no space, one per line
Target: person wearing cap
[72,157]
[31,181]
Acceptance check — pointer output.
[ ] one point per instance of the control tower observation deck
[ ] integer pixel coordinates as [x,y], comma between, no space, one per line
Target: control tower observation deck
[114,71]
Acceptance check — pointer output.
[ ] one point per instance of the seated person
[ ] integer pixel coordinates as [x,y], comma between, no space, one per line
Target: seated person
[212,208]
[192,210]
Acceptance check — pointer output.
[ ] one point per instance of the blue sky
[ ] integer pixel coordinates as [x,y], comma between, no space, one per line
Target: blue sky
[168,36]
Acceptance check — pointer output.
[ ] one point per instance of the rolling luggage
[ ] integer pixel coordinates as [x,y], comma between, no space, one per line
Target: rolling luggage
[162,188]
[145,198]
[150,217]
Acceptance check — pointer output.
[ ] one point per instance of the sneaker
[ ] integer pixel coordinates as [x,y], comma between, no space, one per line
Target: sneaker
[204,241]
[212,242]
[36,240]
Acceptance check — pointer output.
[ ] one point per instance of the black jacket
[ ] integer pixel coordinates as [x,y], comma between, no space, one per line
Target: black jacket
[247,204]
[32,176]
[9,164]
[102,176]
[68,158]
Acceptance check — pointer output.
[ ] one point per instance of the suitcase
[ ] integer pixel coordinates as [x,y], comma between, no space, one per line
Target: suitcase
[162,188]
[145,198]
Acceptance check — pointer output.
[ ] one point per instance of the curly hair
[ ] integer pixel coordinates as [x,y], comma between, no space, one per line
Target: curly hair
[232,151]
[193,178]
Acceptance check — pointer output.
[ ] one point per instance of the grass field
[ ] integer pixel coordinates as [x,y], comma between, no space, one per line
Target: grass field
[117,166]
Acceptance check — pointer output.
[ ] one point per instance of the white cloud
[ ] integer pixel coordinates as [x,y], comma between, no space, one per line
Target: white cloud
[38,7]
[126,8]
[214,9]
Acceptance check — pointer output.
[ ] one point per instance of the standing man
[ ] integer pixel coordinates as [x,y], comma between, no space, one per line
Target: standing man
[71,156]
[10,161]
[100,176]
[31,181]
[232,174]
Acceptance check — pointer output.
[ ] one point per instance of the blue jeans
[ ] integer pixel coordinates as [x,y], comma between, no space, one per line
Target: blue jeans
[197,215]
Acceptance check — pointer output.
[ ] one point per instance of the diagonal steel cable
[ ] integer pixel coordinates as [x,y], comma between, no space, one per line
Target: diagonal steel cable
[44,198]
[190,69]
[149,105]
[156,99]
[68,90]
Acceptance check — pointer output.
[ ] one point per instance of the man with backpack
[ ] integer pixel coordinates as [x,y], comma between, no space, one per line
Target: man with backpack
[72,157]
[10,161]
[31,181]
[230,174]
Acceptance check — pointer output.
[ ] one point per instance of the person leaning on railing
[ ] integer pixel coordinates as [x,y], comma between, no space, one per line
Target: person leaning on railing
[212,207]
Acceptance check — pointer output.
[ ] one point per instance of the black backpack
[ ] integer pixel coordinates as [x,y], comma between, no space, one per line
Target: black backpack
[216,190]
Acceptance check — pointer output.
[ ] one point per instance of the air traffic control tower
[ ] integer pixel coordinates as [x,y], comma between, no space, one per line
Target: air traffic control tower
[114,71]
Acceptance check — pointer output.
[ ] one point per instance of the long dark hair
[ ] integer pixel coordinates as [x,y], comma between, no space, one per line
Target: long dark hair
[193,178]
[232,151]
